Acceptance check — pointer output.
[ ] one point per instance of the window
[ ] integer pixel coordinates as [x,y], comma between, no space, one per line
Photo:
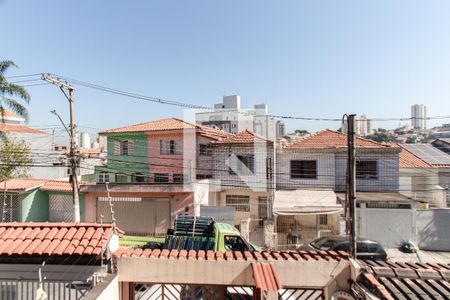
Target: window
[169,147]
[138,177]
[10,206]
[161,177]
[124,148]
[235,243]
[203,176]
[304,169]
[121,178]
[366,169]
[103,177]
[323,220]
[205,149]
[239,202]
[244,160]
[178,178]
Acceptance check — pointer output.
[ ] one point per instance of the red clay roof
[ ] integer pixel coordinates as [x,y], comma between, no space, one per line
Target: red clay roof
[408,159]
[167,125]
[53,238]
[327,139]
[389,280]
[266,277]
[245,136]
[25,184]
[8,114]
[229,255]
[19,128]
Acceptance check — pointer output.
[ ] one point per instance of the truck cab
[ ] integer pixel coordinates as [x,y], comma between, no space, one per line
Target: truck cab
[227,237]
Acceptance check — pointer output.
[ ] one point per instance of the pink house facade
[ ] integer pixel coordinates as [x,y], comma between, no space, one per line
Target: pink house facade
[177,154]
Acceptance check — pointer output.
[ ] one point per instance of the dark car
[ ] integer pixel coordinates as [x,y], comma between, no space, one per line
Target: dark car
[365,248]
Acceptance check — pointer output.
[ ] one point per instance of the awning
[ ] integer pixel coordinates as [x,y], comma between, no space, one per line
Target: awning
[306,202]
[266,277]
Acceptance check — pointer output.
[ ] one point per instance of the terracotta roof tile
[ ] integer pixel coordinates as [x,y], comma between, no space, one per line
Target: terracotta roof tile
[396,280]
[19,128]
[25,184]
[242,137]
[330,139]
[266,277]
[53,238]
[8,114]
[230,255]
[408,159]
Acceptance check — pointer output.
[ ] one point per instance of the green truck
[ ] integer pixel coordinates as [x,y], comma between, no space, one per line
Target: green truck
[203,233]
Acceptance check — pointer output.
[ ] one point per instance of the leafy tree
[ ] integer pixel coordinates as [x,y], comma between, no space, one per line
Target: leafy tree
[15,158]
[10,92]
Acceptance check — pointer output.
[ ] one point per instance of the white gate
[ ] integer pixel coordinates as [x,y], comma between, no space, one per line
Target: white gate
[388,226]
[136,215]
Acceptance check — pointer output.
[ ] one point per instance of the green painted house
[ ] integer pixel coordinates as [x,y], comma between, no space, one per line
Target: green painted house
[127,158]
[37,200]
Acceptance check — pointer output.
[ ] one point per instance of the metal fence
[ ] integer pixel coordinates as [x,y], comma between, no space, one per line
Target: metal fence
[217,292]
[292,233]
[55,290]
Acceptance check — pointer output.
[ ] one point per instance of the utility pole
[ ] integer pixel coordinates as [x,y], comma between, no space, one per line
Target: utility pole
[68,91]
[352,182]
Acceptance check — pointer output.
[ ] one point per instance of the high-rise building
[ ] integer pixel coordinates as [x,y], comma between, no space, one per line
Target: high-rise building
[85,140]
[363,126]
[419,116]
[230,117]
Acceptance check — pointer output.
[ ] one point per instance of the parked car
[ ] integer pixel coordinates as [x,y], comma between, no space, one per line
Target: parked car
[365,248]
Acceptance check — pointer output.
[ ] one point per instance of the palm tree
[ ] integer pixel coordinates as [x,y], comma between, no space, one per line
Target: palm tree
[9,92]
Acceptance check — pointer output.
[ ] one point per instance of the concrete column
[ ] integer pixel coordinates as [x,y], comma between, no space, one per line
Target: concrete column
[245,229]
[270,237]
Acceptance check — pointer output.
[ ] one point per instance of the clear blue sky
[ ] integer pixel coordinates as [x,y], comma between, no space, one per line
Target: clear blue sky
[303,58]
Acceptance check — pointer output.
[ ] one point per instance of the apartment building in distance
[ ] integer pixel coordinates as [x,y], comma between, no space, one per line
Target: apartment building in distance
[229,116]
[418,116]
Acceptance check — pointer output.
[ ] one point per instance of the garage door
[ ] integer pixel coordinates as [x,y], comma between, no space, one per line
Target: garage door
[137,216]
[60,208]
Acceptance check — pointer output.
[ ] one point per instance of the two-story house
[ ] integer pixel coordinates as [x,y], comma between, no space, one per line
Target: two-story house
[312,170]
[151,173]
[244,173]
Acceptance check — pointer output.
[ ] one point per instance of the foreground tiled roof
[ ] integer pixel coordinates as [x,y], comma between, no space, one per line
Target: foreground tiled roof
[245,136]
[327,139]
[266,277]
[229,255]
[408,159]
[53,238]
[25,184]
[19,128]
[388,280]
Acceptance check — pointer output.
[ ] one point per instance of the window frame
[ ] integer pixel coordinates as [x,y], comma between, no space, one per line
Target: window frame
[302,167]
[169,147]
[124,148]
[370,173]
[137,175]
[161,177]
[245,159]
[240,203]
[205,150]
[177,176]
[102,175]
[125,176]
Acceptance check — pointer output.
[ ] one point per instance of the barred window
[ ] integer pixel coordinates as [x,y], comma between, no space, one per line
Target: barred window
[239,202]
[10,205]
[366,169]
[304,169]
[323,220]
[178,178]
[161,177]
